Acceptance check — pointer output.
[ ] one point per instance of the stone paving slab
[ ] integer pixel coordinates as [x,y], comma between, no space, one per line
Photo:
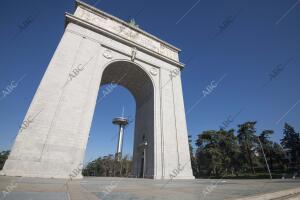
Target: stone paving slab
[36,196]
[278,195]
[144,189]
[197,189]
[76,192]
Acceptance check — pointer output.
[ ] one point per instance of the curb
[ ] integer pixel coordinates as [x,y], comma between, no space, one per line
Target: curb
[274,195]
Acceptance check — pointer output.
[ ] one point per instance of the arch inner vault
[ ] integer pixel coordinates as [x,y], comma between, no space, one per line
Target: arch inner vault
[97,48]
[138,82]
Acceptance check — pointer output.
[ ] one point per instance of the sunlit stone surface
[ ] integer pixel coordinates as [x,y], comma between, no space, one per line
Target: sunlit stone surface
[97,48]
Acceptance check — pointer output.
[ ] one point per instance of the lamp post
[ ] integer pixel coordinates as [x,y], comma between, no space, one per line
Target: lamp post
[262,149]
[144,145]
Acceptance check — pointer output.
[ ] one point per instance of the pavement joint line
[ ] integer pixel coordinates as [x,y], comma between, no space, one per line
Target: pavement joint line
[68,192]
[91,187]
[287,196]
[77,192]
[273,195]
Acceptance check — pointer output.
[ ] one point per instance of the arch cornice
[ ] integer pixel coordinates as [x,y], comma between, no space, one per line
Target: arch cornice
[73,19]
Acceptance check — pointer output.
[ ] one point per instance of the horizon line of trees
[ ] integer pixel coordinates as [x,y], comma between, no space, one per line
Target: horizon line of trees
[235,153]
[108,166]
[220,153]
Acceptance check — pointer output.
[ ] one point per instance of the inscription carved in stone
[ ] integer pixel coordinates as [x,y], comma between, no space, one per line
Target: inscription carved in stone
[126,32]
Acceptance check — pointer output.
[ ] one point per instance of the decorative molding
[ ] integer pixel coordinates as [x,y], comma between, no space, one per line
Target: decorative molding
[107,54]
[153,71]
[73,19]
[106,16]
[133,54]
[125,30]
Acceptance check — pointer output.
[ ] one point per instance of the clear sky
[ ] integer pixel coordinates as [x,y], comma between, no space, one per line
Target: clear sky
[251,48]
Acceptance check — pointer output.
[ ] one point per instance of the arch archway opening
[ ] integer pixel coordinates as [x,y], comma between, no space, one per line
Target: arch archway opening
[132,77]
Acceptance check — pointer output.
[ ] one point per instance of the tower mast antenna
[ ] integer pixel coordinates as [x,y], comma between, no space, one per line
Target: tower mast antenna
[121,122]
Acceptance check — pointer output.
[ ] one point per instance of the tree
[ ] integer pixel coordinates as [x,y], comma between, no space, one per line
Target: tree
[218,151]
[108,166]
[291,141]
[247,141]
[277,156]
[267,146]
[126,165]
[230,150]
[3,158]
[208,143]
[190,145]
[265,137]
[193,159]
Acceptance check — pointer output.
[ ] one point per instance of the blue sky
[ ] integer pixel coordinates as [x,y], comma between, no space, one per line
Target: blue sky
[244,43]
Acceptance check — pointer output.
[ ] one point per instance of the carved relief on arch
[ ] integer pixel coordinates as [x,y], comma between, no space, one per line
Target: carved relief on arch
[154,71]
[107,54]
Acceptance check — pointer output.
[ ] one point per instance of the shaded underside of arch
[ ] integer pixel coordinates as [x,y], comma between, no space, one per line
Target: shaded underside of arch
[132,77]
[138,82]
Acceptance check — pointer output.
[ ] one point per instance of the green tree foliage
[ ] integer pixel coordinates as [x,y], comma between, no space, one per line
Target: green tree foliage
[273,151]
[3,158]
[222,152]
[248,142]
[230,150]
[291,141]
[209,154]
[193,159]
[218,151]
[108,166]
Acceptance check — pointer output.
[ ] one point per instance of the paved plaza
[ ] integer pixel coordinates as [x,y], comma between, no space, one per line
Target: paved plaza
[17,188]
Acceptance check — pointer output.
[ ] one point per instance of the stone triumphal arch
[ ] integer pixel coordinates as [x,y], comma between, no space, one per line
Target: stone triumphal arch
[97,48]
